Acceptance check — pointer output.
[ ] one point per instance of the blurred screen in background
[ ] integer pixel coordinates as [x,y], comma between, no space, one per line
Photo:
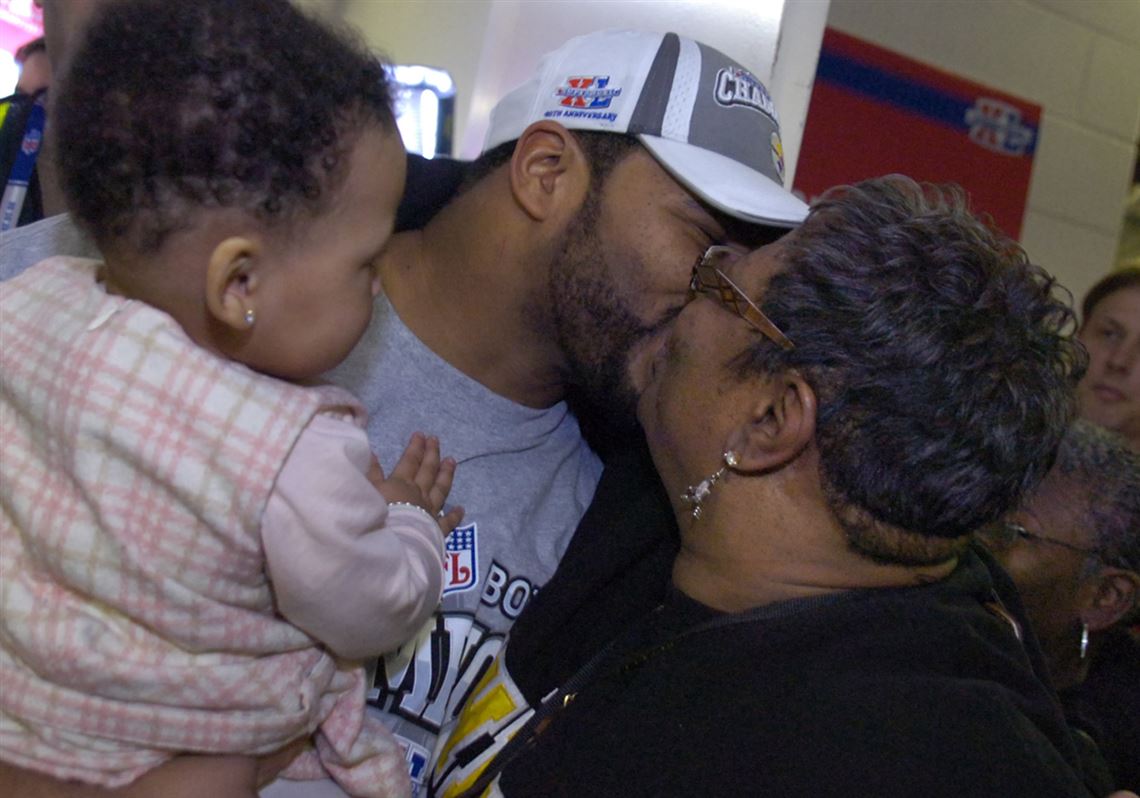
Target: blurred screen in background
[425,109]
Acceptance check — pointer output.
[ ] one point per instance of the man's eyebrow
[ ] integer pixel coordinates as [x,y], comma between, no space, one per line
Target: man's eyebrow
[724,227]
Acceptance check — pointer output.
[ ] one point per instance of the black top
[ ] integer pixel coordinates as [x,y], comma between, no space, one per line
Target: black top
[1107,706]
[904,692]
[895,692]
[431,183]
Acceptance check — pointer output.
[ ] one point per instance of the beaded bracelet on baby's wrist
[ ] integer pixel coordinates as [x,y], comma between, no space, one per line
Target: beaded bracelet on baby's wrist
[416,507]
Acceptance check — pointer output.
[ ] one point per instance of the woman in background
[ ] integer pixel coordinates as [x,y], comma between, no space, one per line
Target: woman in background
[1073,549]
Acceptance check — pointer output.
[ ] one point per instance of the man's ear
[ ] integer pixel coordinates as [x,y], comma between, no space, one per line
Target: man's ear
[1111,594]
[231,283]
[780,423]
[549,172]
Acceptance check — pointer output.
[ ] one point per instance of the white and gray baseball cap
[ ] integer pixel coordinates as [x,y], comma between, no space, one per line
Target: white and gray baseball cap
[708,120]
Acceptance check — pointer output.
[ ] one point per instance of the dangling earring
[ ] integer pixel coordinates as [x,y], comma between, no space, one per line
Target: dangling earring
[249,317]
[1084,639]
[694,495]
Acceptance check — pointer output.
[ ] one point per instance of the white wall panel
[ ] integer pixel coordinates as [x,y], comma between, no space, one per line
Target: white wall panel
[1111,99]
[1080,174]
[1075,255]
[519,32]
[1119,19]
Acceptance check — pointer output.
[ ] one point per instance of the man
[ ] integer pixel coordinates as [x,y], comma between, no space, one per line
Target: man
[64,23]
[35,68]
[21,137]
[569,248]
[606,176]
[27,163]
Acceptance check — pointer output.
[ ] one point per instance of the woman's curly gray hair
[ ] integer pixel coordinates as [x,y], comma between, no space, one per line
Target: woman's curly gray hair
[944,361]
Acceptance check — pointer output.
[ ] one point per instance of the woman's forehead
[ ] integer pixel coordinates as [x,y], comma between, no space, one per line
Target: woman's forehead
[753,271]
[1122,306]
[1059,507]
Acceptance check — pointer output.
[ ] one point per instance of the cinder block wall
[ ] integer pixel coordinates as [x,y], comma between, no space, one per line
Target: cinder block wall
[1080,61]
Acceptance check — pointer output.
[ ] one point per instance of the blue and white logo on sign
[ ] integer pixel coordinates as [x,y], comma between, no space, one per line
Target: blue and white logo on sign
[460,562]
[997,126]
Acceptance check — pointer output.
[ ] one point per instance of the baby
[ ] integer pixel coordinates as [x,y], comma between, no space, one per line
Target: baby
[186,520]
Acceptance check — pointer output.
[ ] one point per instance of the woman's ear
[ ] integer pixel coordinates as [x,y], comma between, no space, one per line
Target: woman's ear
[231,283]
[549,172]
[779,424]
[1111,594]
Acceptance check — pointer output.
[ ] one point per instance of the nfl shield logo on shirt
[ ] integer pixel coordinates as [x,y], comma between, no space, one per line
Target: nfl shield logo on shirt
[459,561]
[31,142]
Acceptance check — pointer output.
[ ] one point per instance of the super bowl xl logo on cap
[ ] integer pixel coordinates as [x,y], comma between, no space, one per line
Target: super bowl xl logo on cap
[460,568]
[736,86]
[589,91]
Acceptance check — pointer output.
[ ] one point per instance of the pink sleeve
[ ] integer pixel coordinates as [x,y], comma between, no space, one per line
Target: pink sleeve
[358,575]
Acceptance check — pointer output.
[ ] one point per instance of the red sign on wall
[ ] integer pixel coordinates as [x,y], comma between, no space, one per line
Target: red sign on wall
[874,112]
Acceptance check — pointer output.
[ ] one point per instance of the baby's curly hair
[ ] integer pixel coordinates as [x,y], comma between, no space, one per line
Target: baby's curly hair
[945,363]
[170,107]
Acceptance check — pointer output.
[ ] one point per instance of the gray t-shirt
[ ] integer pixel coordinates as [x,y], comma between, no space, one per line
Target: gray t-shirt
[525,478]
[25,246]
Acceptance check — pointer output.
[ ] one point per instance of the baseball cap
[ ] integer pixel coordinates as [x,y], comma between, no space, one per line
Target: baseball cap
[706,119]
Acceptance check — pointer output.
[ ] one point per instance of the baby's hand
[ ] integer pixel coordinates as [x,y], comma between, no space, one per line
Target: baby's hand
[420,478]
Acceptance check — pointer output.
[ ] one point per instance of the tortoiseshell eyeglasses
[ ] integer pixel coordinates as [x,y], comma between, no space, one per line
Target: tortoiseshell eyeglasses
[709,278]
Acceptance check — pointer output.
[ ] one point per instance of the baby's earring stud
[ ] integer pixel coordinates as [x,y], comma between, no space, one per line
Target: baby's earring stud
[249,317]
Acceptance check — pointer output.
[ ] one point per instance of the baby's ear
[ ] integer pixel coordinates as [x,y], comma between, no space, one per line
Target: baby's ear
[231,283]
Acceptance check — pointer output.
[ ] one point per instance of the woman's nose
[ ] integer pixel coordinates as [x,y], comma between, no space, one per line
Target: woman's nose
[1123,357]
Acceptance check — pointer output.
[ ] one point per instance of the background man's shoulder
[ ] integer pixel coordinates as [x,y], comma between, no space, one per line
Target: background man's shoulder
[22,247]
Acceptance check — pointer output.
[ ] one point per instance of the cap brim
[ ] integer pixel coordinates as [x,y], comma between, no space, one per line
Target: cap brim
[726,184]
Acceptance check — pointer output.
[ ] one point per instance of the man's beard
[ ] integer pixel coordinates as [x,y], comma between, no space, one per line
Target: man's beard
[595,327]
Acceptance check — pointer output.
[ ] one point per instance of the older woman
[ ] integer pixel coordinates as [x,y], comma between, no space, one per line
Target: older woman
[1110,392]
[1073,549]
[831,417]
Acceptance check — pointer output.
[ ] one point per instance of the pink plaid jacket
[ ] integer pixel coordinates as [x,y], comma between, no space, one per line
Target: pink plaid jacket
[136,619]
